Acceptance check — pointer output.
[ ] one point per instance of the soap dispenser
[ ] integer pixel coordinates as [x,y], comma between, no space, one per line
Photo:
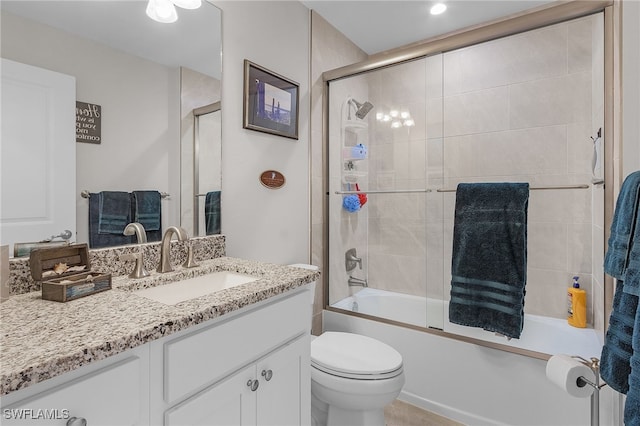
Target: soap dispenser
[577,305]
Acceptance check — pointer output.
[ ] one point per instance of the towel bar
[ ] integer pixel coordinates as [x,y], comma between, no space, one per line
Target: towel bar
[396,191]
[581,186]
[86,194]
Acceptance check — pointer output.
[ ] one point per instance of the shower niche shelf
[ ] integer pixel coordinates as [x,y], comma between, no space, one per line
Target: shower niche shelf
[355,125]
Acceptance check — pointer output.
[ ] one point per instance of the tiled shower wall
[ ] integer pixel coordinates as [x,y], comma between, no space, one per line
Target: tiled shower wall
[521,108]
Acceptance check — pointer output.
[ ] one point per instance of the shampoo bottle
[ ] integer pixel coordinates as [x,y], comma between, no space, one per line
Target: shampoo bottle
[577,305]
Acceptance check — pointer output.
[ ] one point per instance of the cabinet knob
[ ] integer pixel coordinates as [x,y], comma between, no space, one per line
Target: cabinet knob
[77,421]
[253,385]
[267,374]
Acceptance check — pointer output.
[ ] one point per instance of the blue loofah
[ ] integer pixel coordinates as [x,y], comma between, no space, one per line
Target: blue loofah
[351,203]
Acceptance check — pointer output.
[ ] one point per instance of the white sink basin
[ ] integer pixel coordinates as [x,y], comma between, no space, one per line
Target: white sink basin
[179,291]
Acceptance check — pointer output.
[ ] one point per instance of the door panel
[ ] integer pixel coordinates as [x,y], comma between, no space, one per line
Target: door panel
[38,154]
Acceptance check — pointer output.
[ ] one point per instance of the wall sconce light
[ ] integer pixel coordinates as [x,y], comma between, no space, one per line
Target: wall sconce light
[164,11]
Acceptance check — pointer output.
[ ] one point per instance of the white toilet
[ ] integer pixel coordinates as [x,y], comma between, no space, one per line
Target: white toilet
[353,377]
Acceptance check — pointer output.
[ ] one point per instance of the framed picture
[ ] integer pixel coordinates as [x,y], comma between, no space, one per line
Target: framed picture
[270,102]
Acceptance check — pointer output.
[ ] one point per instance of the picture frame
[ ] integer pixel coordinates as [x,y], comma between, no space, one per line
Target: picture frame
[270,102]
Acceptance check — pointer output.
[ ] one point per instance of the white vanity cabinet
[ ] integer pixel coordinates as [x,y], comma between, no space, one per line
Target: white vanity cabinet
[213,374]
[114,391]
[269,392]
[207,374]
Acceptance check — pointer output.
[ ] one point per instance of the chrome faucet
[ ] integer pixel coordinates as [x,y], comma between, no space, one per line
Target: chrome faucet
[165,247]
[137,229]
[353,282]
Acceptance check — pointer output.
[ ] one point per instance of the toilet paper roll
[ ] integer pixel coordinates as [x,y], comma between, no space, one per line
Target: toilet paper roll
[564,371]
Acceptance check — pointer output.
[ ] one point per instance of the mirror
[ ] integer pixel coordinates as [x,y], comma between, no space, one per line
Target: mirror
[136,70]
[200,154]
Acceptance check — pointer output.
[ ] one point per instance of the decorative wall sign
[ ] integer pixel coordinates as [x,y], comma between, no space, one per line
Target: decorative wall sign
[88,122]
[270,102]
[272,179]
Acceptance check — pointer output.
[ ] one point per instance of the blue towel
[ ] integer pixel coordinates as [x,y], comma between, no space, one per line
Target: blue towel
[147,209]
[631,277]
[622,227]
[615,360]
[632,404]
[96,239]
[489,262]
[114,212]
[624,241]
[212,212]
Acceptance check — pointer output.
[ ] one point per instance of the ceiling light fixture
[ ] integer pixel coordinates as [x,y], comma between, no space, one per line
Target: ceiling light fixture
[187,4]
[164,11]
[438,8]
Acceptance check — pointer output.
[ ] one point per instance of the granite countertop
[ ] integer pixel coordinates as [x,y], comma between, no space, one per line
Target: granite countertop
[41,339]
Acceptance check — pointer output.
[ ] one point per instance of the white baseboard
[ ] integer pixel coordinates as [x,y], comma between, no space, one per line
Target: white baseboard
[446,411]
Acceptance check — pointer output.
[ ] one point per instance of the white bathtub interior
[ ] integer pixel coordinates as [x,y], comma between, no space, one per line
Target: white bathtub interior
[540,334]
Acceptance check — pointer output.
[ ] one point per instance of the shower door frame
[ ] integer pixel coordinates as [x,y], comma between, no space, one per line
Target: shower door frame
[514,24]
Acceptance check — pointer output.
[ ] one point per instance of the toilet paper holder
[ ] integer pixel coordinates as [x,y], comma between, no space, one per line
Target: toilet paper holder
[594,364]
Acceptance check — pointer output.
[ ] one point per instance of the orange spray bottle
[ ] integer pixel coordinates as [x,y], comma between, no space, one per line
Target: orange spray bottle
[577,305]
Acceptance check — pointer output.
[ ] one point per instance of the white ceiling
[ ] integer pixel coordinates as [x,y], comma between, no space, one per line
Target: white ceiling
[376,26]
[194,40]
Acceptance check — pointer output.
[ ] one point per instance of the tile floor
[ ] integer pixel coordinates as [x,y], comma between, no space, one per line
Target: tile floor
[400,413]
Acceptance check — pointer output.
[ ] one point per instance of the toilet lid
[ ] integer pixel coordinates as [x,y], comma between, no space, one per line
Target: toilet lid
[354,356]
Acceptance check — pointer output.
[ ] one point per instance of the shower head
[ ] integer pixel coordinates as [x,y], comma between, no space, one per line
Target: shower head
[361,109]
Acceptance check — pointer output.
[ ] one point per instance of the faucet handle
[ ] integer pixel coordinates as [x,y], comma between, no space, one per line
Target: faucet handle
[190,262]
[138,270]
[351,260]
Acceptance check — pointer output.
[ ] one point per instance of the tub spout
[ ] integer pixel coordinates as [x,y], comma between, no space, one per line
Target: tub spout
[354,282]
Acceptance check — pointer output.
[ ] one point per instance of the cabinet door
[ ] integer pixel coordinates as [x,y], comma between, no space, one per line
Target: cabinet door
[284,394]
[227,403]
[112,396]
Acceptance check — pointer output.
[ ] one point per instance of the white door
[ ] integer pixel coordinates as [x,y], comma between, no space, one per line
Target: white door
[38,154]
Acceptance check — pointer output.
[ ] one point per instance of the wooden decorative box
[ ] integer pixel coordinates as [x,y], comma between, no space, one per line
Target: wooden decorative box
[65,273]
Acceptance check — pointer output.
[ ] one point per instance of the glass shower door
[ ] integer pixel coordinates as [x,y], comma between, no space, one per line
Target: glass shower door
[382,213]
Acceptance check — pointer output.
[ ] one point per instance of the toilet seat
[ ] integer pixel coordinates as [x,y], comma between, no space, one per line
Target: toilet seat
[355,356]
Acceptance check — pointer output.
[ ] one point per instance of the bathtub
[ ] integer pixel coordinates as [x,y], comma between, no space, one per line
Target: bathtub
[540,334]
[473,384]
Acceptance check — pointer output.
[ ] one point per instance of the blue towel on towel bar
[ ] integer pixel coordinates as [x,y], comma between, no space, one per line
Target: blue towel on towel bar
[615,360]
[96,239]
[114,212]
[622,227]
[147,208]
[489,262]
[632,404]
[212,212]
[621,263]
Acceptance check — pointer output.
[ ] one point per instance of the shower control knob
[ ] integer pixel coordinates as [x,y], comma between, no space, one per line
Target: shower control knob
[267,374]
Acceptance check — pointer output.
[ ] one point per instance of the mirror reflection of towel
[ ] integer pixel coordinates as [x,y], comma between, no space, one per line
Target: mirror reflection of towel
[114,212]
[97,239]
[212,212]
[489,260]
[147,210]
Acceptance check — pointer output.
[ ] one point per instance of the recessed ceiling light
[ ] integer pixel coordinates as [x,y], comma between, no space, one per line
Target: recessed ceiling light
[438,8]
